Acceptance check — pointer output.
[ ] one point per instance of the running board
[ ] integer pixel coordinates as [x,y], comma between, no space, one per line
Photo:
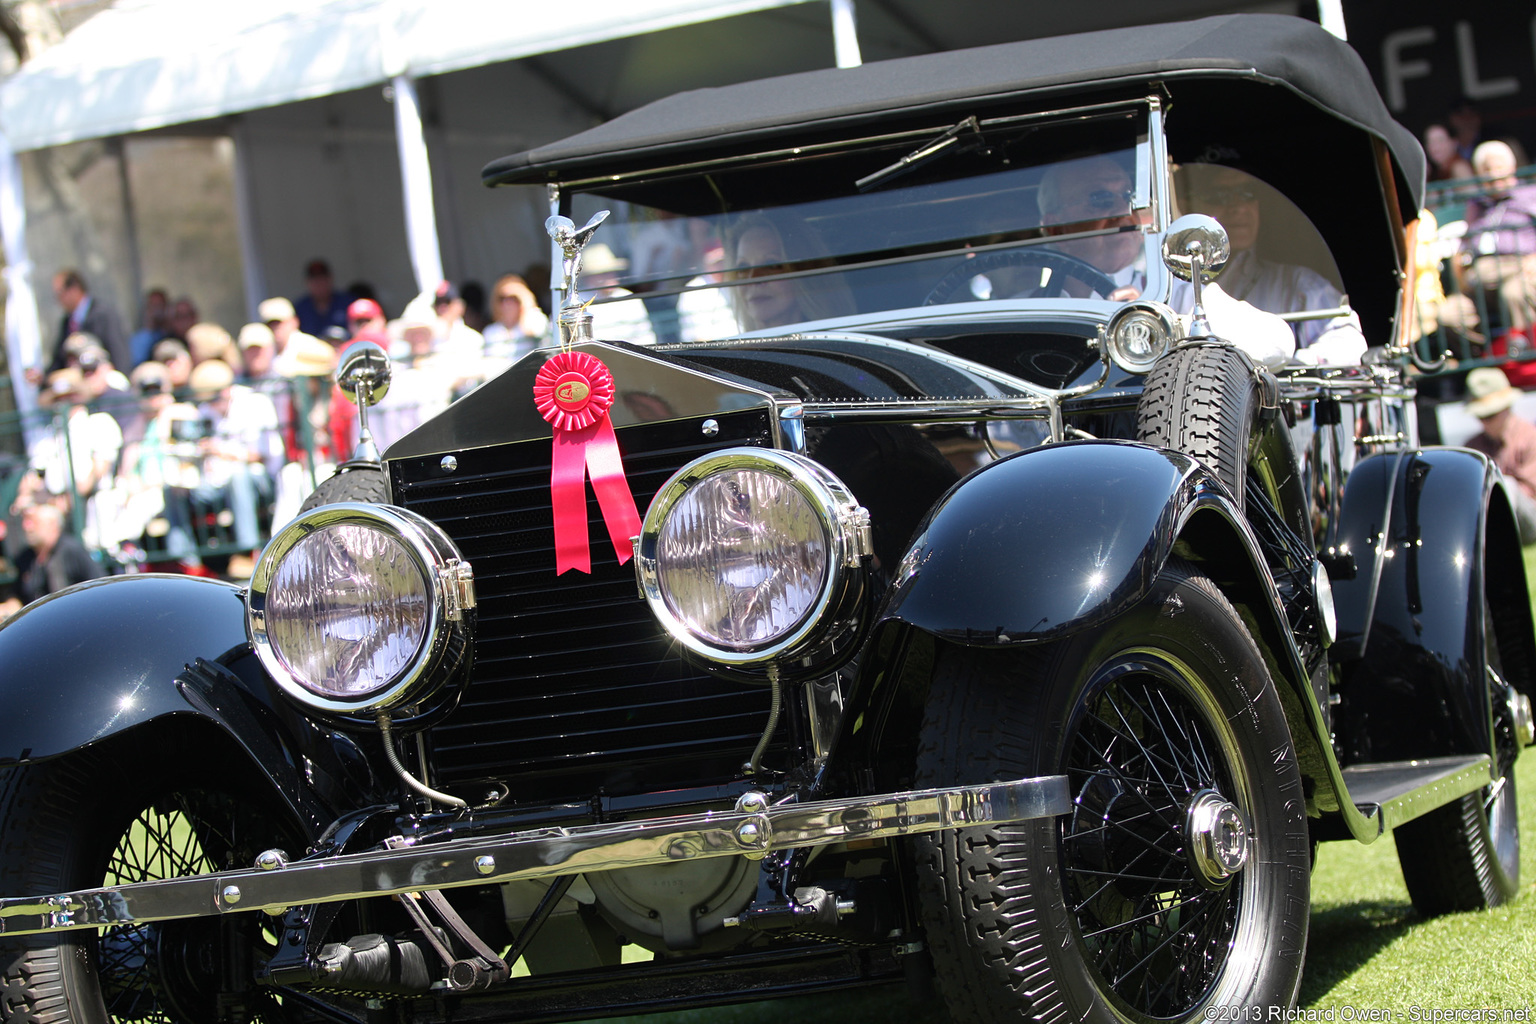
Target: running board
[1394,792]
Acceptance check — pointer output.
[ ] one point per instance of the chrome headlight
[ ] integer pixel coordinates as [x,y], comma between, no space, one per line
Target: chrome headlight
[1139,333]
[359,609]
[753,555]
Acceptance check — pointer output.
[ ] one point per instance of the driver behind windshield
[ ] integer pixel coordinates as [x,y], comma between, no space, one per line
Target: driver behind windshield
[1094,194]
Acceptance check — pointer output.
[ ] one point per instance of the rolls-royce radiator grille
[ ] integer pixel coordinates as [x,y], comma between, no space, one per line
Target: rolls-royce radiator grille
[575,687]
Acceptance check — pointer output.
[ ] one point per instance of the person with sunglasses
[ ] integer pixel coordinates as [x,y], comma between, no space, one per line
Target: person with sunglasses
[518,325]
[1233,197]
[1094,194]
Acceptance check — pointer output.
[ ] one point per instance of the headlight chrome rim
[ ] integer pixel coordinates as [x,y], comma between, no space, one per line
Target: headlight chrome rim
[449,588]
[1162,329]
[845,527]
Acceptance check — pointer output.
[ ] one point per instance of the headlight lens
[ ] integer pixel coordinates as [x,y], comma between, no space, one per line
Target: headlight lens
[743,553]
[350,603]
[348,610]
[742,557]
[1139,333]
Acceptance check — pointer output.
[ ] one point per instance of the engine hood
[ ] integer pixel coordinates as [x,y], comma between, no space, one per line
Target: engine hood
[932,365]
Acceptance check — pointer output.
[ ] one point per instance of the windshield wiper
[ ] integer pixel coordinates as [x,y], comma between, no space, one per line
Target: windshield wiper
[945,142]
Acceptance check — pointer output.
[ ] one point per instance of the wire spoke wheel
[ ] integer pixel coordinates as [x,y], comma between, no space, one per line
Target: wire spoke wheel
[1156,932]
[1178,883]
[97,829]
[168,972]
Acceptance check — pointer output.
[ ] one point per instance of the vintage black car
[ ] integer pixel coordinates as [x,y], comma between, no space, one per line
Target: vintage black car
[1009,602]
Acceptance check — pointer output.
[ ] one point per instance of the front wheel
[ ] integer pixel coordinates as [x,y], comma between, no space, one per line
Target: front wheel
[84,822]
[1180,880]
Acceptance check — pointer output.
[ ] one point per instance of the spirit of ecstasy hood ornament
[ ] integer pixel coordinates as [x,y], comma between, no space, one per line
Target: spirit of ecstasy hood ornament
[573,317]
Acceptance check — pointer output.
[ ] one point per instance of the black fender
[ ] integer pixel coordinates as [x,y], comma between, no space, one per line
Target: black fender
[1048,542]
[1429,535]
[1044,544]
[160,655]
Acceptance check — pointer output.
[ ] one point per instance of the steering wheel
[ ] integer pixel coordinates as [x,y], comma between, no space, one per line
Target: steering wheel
[1058,263]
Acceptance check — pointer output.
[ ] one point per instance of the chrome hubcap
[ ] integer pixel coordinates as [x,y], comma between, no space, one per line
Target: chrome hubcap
[1217,838]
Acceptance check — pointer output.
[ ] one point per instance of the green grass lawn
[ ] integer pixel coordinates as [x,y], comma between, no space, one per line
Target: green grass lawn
[1368,947]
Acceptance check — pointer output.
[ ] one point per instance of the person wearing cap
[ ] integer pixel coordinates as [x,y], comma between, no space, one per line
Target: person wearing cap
[616,312]
[278,314]
[454,336]
[364,315]
[105,387]
[1507,438]
[322,307]
[258,347]
[155,456]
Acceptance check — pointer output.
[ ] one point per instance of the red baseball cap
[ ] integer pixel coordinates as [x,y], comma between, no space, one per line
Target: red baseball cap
[364,309]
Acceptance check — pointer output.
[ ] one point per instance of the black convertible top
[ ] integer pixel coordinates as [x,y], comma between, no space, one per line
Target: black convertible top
[1320,76]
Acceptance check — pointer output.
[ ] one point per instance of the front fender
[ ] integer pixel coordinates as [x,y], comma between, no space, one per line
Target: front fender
[1430,534]
[102,657]
[1048,542]
[115,655]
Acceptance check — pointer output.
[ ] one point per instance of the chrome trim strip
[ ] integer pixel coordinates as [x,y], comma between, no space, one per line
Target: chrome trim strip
[546,853]
[1418,802]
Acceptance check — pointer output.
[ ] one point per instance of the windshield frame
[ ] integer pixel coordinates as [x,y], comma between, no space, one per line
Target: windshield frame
[1149,199]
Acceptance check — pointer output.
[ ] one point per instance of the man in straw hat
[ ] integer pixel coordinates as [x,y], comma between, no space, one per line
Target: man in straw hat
[1507,438]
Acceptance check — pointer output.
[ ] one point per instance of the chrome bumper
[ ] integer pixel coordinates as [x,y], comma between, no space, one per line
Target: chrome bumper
[751,830]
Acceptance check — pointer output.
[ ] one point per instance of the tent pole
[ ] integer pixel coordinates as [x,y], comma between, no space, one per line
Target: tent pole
[23,334]
[416,182]
[253,270]
[845,35]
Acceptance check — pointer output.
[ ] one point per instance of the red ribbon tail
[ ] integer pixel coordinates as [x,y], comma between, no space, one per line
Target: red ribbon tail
[613,496]
[568,496]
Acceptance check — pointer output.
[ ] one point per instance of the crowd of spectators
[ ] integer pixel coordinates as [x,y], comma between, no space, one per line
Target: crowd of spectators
[181,446]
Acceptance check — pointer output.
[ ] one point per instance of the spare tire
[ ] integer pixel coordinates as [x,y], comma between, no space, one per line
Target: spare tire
[1202,400]
[366,484]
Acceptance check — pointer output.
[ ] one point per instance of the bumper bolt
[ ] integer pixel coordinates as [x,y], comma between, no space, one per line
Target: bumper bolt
[485,864]
[271,860]
[231,894]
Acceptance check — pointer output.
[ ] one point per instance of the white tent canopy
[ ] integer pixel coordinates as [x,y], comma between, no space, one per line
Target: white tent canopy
[151,64]
[146,64]
[385,182]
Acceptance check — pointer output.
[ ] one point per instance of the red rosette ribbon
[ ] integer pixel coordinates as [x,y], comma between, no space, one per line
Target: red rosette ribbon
[573,391]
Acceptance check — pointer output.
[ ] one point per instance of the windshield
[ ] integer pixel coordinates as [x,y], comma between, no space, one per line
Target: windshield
[1022,208]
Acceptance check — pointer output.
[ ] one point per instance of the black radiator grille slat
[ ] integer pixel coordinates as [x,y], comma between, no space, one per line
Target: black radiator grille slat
[576,688]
